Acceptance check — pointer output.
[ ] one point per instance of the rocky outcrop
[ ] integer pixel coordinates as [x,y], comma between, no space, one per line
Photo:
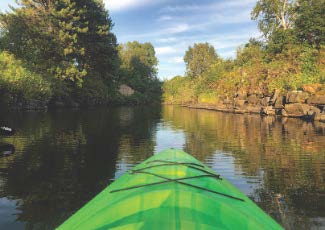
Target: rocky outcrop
[126,90]
[300,110]
[268,110]
[296,97]
[253,99]
[317,100]
[320,117]
[300,104]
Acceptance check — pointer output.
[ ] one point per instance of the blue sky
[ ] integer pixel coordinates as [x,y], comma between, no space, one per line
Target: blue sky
[174,25]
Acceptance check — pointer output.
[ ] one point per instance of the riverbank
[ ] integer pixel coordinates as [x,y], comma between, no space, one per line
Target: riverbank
[38,105]
[299,104]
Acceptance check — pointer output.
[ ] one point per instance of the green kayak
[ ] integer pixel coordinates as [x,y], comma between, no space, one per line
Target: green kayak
[170,190]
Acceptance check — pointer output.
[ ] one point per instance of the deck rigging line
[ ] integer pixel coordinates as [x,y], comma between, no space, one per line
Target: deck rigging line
[177,180]
[188,164]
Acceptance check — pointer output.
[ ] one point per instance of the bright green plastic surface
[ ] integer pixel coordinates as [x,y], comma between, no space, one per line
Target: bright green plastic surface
[211,204]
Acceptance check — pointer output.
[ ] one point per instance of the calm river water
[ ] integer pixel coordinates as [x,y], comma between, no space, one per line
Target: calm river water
[64,158]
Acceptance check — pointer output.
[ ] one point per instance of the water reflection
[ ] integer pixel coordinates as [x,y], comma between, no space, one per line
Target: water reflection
[280,163]
[64,158]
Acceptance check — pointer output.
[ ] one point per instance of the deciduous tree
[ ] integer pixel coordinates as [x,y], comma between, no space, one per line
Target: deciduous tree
[273,15]
[199,58]
[310,23]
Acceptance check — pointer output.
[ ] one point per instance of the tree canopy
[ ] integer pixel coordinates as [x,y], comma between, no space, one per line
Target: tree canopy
[46,34]
[199,58]
[139,69]
[70,44]
[273,15]
[310,23]
[290,55]
[138,62]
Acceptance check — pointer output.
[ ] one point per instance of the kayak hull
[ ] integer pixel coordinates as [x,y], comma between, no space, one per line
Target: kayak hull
[170,190]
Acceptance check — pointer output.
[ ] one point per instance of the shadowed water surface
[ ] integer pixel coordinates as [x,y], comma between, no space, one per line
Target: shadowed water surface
[64,158]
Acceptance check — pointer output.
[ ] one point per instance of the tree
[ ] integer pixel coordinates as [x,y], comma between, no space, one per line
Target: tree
[139,70]
[310,23]
[250,53]
[199,58]
[273,15]
[138,63]
[101,55]
[67,39]
[45,33]
[19,85]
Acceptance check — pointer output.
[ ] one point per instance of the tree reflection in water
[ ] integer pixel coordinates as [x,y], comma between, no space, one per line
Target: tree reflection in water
[64,158]
[289,152]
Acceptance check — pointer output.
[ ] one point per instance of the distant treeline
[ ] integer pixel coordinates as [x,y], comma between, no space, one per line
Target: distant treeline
[290,54]
[63,52]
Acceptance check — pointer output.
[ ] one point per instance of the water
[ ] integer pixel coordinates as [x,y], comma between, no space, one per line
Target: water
[64,158]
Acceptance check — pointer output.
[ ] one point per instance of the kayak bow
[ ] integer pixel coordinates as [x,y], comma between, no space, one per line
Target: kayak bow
[170,190]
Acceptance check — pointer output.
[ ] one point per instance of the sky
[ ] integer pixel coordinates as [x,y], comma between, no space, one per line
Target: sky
[174,25]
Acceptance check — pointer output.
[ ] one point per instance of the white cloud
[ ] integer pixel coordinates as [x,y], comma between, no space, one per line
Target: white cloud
[176,60]
[168,30]
[165,18]
[167,40]
[177,8]
[164,50]
[220,5]
[179,28]
[119,5]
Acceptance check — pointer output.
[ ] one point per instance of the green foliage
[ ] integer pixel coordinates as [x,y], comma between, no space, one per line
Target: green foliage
[100,46]
[138,60]
[310,23]
[292,55]
[295,66]
[273,15]
[250,53]
[93,92]
[46,35]
[19,85]
[139,71]
[70,44]
[281,63]
[199,58]
[180,90]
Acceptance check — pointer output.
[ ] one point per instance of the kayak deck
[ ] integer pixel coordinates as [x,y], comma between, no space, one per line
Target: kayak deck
[170,190]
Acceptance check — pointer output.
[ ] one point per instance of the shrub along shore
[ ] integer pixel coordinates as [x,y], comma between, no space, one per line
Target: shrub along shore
[63,53]
[299,104]
[283,73]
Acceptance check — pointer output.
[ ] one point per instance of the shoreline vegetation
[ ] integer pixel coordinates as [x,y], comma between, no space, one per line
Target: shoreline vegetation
[283,73]
[64,54]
